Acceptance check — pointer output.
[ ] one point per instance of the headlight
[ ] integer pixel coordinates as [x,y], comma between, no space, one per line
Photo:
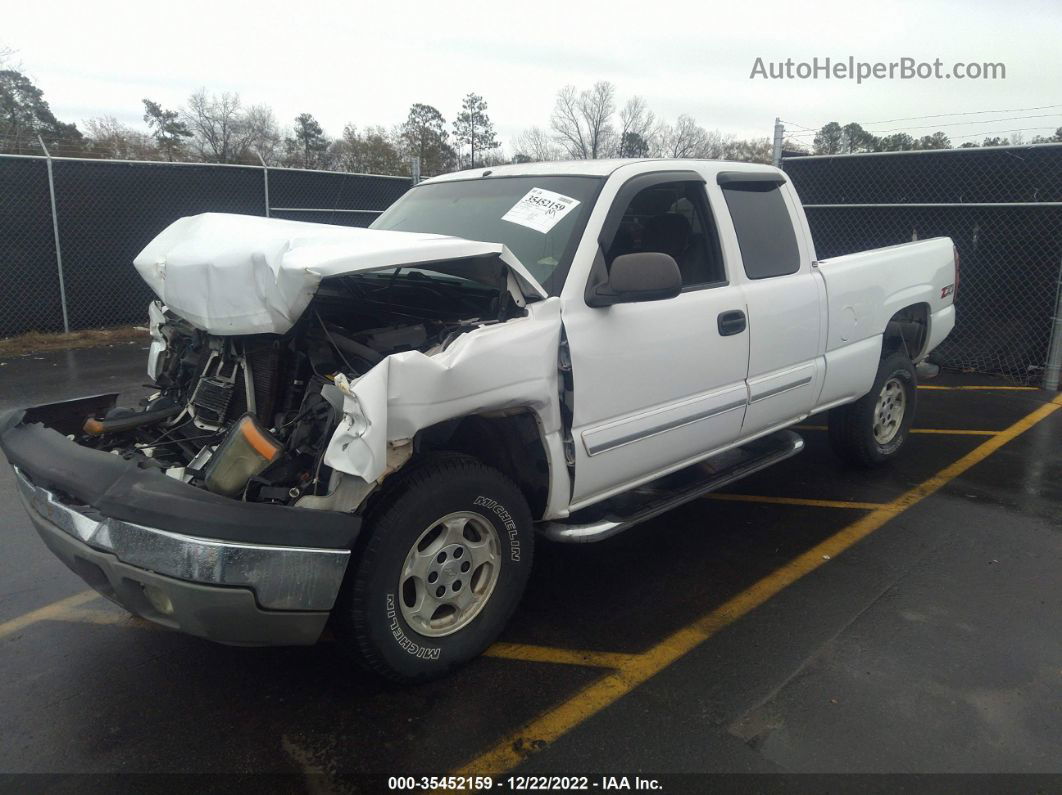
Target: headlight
[246,451]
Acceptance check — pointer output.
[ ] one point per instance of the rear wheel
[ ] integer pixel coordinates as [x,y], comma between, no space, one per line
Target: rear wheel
[872,430]
[445,563]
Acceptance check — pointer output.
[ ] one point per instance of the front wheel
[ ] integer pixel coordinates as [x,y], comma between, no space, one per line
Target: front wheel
[872,430]
[445,564]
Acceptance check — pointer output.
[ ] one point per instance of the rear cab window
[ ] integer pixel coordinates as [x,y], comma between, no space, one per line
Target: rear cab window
[762,222]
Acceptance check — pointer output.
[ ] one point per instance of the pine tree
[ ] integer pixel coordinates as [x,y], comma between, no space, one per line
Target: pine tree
[166,128]
[309,145]
[24,114]
[425,137]
[473,127]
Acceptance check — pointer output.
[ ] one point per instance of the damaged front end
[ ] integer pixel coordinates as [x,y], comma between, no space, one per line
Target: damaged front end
[211,507]
[227,502]
[251,417]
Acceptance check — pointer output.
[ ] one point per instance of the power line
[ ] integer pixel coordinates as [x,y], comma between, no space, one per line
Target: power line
[955,124]
[963,113]
[999,132]
[965,123]
[801,126]
[946,124]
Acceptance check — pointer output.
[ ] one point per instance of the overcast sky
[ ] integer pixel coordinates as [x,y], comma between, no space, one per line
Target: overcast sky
[366,62]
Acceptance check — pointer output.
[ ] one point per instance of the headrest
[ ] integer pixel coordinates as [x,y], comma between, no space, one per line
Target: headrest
[668,232]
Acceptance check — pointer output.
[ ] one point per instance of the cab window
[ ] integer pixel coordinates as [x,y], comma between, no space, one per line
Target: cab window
[672,218]
[764,228]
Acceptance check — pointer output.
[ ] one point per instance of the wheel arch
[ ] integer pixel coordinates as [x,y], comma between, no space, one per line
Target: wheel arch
[908,331]
[511,441]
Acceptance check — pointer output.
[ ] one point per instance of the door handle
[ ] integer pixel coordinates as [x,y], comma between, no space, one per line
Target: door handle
[732,322]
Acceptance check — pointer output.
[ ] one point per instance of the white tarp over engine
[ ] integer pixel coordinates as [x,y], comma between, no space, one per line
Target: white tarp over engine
[241,274]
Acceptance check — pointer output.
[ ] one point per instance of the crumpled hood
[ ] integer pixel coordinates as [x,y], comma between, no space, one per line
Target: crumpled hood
[240,274]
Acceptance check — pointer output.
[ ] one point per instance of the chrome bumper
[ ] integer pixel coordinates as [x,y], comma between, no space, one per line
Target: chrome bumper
[282,578]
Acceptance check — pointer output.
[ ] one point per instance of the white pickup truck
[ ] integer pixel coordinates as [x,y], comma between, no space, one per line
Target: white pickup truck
[370,425]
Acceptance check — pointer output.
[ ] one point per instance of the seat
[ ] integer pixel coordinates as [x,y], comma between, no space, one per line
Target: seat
[669,233]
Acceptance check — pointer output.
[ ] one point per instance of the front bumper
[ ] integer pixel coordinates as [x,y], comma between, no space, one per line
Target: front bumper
[206,565]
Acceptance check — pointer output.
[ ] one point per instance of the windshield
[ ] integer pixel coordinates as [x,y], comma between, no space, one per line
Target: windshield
[539,219]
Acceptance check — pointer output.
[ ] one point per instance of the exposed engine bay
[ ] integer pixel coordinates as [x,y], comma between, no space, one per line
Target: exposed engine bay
[250,417]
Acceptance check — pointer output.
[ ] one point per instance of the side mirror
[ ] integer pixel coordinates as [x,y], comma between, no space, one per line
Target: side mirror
[645,276]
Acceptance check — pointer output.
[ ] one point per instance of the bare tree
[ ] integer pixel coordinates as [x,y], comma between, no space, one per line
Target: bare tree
[582,120]
[567,124]
[213,121]
[637,129]
[534,145]
[685,139]
[262,137]
[598,106]
[714,146]
[109,138]
[373,151]
[750,150]
[224,132]
[495,157]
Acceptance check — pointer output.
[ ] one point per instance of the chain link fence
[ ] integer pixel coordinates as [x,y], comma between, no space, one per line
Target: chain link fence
[68,266]
[1002,207]
[31,299]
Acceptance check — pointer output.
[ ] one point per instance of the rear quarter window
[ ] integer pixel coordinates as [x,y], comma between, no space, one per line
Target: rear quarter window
[764,229]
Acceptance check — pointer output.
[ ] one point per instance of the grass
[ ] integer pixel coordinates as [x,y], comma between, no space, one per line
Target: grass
[39,342]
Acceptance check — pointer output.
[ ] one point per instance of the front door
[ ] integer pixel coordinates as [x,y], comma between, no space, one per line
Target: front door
[657,384]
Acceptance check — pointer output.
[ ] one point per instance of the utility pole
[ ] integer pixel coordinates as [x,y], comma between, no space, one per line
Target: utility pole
[1053,371]
[55,233]
[265,180]
[779,131]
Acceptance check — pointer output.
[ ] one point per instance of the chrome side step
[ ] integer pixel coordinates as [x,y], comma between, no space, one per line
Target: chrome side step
[694,481]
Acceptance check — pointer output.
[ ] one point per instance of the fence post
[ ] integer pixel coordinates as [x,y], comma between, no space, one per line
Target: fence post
[776,153]
[265,181]
[55,232]
[1053,370]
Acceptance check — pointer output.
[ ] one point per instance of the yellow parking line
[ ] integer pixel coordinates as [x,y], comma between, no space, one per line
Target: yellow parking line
[71,611]
[552,654]
[81,615]
[559,720]
[955,431]
[945,431]
[862,506]
[117,616]
[981,388]
[52,611]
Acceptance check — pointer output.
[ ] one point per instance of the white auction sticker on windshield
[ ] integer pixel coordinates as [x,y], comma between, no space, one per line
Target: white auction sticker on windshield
[540,209]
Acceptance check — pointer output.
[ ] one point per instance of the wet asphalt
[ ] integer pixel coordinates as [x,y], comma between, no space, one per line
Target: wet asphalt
[932,645]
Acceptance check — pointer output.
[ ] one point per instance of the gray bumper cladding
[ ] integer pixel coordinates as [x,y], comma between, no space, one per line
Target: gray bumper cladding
[229,592]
